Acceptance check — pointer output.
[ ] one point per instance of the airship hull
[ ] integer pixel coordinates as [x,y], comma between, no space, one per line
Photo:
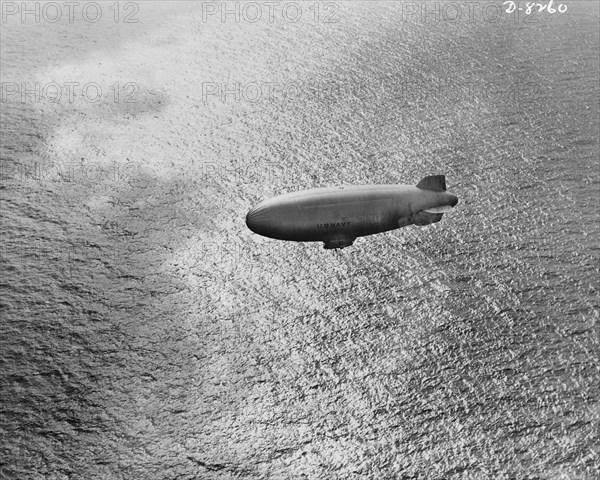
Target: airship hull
[337,216]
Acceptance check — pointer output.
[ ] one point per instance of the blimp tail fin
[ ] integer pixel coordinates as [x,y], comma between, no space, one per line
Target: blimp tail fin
[437,183]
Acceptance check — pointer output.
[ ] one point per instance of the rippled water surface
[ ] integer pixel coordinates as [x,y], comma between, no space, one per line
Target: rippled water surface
[147,333]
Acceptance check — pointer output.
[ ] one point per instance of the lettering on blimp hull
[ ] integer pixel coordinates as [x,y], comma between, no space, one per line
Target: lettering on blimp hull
[332,225]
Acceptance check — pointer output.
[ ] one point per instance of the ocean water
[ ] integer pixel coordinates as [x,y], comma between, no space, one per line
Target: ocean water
[147,333]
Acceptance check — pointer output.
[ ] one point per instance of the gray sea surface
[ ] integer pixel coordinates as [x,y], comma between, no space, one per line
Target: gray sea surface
[146,333]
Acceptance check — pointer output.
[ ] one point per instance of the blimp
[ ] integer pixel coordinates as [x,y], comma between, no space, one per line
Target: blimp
[337,216]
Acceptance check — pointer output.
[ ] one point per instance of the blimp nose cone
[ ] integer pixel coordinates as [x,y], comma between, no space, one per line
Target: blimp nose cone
[257,219]
[251,219]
